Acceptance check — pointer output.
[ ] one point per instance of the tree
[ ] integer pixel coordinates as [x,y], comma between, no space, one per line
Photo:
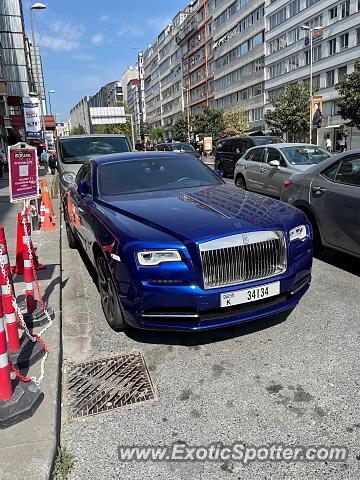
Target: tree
[210,123]
[156,134]
[349,102]
[291,111]
[236,121]
[79,130]
[179,128]
[115,129]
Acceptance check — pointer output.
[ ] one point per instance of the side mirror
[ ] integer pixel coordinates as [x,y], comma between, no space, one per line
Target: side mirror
[83,189]
[217,172]
[274,163]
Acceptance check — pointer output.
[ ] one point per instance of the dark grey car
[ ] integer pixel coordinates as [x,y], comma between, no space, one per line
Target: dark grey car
[329,193]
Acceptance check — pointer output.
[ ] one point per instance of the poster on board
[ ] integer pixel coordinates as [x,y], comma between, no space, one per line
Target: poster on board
[23,172]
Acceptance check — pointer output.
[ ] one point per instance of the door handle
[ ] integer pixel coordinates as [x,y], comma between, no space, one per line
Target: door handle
[318,190]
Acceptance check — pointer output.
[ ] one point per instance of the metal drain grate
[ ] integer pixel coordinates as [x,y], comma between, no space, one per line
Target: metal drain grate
[106,384]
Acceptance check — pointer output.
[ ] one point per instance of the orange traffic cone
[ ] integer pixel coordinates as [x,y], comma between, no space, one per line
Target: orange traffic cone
[46,198]
[46,222]
[19,267]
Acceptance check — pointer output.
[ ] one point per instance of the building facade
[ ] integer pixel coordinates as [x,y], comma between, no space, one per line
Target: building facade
[335,48]
[238,30]
[37,69]
[110,95]
[80,115]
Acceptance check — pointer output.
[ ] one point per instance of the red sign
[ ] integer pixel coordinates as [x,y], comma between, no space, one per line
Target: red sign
[23,170]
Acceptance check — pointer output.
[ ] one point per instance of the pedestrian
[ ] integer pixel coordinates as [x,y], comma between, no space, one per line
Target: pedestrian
[44,160]
[52,163]
[342,144]
[2,162]
[328,144]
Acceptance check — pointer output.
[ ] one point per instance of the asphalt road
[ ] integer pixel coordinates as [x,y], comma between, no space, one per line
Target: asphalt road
[292,381]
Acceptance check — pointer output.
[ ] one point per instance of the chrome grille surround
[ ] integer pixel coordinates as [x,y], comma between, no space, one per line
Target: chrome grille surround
[243,258]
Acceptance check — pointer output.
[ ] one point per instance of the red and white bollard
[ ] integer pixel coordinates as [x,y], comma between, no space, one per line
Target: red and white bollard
[5,252]
[28,271]
[5,379]
[10,317]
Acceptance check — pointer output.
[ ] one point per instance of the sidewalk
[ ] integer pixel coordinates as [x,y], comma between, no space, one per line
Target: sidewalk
[28,449]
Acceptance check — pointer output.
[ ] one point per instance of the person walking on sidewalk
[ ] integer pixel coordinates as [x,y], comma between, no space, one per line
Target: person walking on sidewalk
[52,163]
[2,163]
[328,144]
[45,159]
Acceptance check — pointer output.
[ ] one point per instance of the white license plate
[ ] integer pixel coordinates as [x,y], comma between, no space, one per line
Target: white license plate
[248,295]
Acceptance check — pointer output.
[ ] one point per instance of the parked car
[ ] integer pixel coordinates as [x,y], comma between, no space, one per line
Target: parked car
[179,148]
[230,150]
[264,169]
[74,151]
[329,194]
[176,248]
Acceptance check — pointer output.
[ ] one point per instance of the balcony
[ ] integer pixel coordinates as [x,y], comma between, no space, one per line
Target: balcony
[190,27]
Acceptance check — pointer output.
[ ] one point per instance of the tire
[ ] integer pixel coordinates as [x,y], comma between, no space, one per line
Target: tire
[109,297]
[72,240]
[222,171]
[240,182]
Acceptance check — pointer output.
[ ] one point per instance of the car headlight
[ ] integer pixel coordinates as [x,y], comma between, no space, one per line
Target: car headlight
[69,177]
[298,233]
[152,258]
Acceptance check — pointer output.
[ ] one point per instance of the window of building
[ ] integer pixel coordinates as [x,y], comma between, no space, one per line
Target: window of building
[277,18]
[330,78]
[358,36]
[293,63]
[256,115]
[342,71]
[315,22]
[316,81]
[293,36]
[311,2]
[294,8]
[333,13]
[344,41]
[257,89]
[257,40]
[345,9]
[316,55]
[332,46]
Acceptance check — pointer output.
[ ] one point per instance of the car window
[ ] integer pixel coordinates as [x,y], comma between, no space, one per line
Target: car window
[160,148]
[154,174]
[226,146]
[349,172]
[236,146]
[82,149]
[274,154]
[82,173]
[266,140]
[246,144]
[305,155]
[87,178]
[220,145]
[184,147]
[256,155]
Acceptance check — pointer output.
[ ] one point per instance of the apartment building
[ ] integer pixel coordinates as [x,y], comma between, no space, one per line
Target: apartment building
[80,115]
[335,48]
[238,30]
[109,95]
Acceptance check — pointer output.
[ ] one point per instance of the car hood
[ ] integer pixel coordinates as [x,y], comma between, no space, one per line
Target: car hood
[204,213]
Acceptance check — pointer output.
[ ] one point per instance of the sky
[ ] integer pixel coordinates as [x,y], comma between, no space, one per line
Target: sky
[87,43]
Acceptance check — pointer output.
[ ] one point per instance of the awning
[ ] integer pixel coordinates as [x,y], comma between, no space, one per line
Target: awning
[334,126]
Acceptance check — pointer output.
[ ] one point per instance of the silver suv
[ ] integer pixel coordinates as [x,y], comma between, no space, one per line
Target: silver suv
[75,150]
[264,169]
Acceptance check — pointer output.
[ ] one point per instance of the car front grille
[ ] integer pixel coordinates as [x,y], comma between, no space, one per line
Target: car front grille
[243,258]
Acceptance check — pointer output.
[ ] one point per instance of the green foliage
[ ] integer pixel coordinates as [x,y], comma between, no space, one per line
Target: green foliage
[210,123]
[349,102]
[179,128]
[63,464]
[236,121]
[79,130]
[291,111]
[156,134]
[115,129]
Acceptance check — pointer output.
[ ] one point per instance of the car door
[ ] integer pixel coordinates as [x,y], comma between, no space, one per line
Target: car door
[274,177]
[226,159]
[86,205]
[254,177]
[335,198]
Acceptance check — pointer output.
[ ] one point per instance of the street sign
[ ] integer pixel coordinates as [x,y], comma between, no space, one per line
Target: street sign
[208,144]
[23,172]
[32,118]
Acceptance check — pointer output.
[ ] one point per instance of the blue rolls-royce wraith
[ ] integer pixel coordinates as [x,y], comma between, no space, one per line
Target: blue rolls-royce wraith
[177,248]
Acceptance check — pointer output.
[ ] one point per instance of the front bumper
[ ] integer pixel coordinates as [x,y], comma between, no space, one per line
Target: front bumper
[190,308]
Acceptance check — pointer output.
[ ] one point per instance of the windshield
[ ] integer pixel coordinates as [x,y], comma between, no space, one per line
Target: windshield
[82,149]
[153,174]
[183,146]
[267,140]
[305,155]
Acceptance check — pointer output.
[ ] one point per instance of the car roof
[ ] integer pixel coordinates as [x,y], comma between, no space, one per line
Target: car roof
[126,156]
[283,145]
[248,137]
[105,135]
